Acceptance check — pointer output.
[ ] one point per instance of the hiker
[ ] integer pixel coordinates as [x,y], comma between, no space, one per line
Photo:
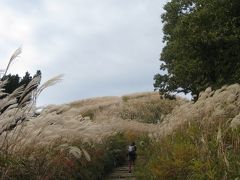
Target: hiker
[131,155]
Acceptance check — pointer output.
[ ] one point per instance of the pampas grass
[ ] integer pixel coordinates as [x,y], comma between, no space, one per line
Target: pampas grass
[64,137]
[49,83]
[12,58]
[29,145]
[18,107]
[197,140]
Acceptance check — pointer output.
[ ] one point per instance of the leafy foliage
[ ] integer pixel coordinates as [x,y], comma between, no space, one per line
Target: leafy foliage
[202,45]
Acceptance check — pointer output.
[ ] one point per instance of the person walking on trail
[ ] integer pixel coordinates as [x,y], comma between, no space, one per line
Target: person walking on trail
[131,156]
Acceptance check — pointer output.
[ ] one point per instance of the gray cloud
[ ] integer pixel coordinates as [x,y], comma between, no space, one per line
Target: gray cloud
[103,48]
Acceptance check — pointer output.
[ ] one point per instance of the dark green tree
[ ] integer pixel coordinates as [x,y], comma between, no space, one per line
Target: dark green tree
[26,79]
[14,81]
[202,45]
[12,84]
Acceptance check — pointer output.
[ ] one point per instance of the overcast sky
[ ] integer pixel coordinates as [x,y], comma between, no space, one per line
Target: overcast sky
[103,48]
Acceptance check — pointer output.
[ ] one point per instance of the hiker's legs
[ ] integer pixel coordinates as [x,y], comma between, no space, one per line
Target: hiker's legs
[130,166]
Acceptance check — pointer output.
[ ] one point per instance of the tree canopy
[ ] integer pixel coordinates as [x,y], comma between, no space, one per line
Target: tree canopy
[202,45]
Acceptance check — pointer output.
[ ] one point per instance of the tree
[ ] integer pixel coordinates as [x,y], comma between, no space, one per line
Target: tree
[26,79]
[14,81]
[202,45]
[12,84]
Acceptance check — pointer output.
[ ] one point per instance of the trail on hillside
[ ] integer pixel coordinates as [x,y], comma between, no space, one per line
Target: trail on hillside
[121,173]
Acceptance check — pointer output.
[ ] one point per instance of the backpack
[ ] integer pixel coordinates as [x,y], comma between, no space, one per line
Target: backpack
[131,149]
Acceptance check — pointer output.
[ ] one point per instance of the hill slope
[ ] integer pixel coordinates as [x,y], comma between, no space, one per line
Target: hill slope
[99,117]
[197,140]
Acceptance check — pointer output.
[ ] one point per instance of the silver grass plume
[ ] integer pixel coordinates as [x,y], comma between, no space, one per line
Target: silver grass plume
[49,83]
[13,57]
[15,108]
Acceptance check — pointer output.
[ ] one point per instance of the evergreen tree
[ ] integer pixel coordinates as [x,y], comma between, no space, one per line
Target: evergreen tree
[26,79]
[12,84]
[14,81]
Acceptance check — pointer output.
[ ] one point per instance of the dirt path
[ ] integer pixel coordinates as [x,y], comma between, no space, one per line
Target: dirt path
[121,173]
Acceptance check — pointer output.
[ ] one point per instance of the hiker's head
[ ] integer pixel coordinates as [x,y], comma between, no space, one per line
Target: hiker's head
[133,144]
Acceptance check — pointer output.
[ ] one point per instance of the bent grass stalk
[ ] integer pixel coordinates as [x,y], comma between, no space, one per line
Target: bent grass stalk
[16,108]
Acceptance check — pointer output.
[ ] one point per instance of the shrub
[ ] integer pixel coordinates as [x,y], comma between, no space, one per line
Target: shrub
[148,111]
[89,113]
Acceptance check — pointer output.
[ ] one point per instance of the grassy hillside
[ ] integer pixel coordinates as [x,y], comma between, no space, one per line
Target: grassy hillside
[197,141]
[98,117]
[86,139]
